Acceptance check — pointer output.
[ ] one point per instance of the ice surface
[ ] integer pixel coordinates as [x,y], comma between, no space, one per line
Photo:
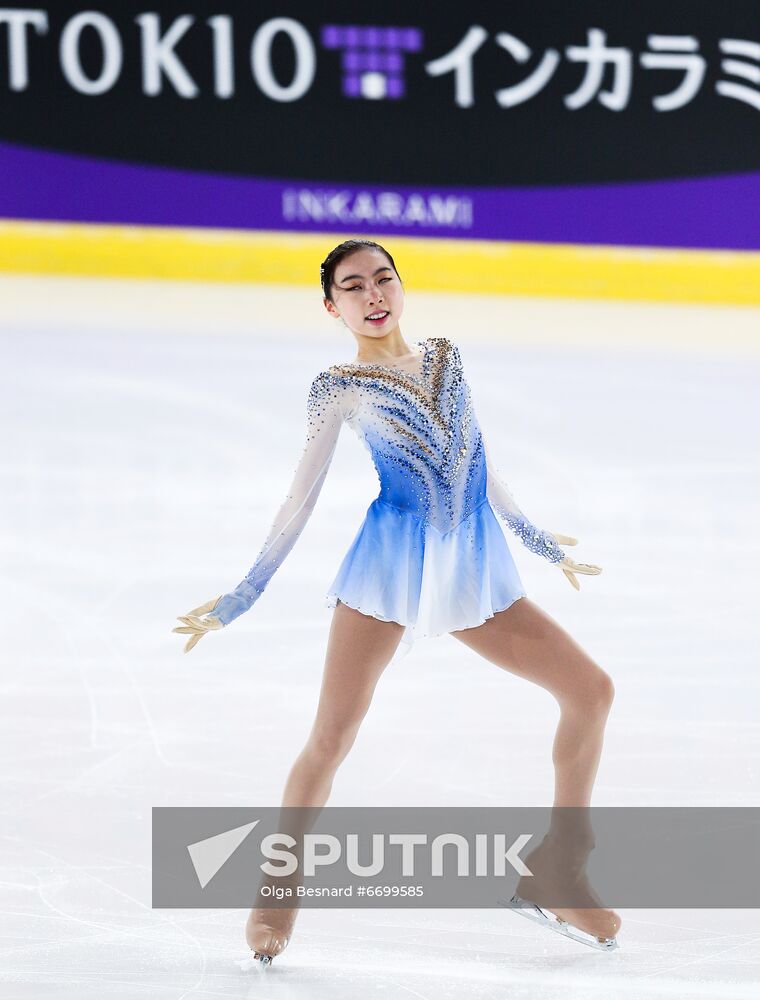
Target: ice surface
[151,430]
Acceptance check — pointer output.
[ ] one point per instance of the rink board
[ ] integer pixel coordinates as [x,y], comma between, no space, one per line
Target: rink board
[455,265]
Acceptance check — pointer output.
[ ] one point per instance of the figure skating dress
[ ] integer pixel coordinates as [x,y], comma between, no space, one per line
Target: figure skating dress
[430,552]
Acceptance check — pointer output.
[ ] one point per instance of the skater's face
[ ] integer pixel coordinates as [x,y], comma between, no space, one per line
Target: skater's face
[365,284]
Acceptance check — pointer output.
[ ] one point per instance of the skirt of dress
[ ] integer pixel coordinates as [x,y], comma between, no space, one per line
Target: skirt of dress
[401,568]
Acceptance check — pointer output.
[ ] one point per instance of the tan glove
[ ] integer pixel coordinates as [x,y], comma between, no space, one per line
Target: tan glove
[197,627]
[570,568]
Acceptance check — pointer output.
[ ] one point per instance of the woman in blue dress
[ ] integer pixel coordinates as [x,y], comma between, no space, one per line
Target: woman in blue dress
[430,558]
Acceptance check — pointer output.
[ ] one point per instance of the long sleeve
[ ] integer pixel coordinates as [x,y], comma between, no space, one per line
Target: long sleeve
[543,543]
[324,420]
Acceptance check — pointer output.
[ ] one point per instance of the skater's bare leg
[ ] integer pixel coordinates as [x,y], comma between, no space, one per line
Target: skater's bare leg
[359,648]
[527,641]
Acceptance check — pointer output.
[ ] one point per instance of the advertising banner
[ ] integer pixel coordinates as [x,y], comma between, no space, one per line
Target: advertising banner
[584,123]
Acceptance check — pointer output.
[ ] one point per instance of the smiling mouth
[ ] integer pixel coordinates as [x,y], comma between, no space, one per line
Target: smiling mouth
[376,319]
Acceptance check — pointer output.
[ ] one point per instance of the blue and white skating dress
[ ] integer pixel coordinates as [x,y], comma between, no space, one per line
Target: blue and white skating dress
[430,553]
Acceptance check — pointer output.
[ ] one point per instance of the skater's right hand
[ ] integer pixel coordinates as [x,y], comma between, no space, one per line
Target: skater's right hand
[197,627]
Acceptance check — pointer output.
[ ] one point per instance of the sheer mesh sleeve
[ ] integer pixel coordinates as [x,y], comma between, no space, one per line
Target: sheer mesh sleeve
[543,543]
[324,419]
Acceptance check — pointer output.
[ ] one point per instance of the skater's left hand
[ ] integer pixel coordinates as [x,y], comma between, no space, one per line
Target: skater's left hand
[197,627]
[569,567]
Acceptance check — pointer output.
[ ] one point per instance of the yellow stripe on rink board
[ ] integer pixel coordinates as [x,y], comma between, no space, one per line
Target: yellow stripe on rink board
[482,266]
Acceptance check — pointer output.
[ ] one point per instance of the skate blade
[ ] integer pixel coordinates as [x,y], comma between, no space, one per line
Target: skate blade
[554,923]
[259,961]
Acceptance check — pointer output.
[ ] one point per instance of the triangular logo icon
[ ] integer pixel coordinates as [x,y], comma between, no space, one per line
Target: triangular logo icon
[209,855]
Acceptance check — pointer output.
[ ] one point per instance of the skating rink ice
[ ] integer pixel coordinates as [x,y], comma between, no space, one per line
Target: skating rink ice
[152,429]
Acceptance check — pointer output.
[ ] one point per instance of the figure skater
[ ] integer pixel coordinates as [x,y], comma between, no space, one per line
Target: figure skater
[429,558]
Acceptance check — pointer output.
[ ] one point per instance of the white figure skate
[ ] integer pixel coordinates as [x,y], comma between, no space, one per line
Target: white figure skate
[546,918]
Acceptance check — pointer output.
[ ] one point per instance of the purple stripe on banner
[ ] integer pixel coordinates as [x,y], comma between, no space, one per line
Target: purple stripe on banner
[713,212]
